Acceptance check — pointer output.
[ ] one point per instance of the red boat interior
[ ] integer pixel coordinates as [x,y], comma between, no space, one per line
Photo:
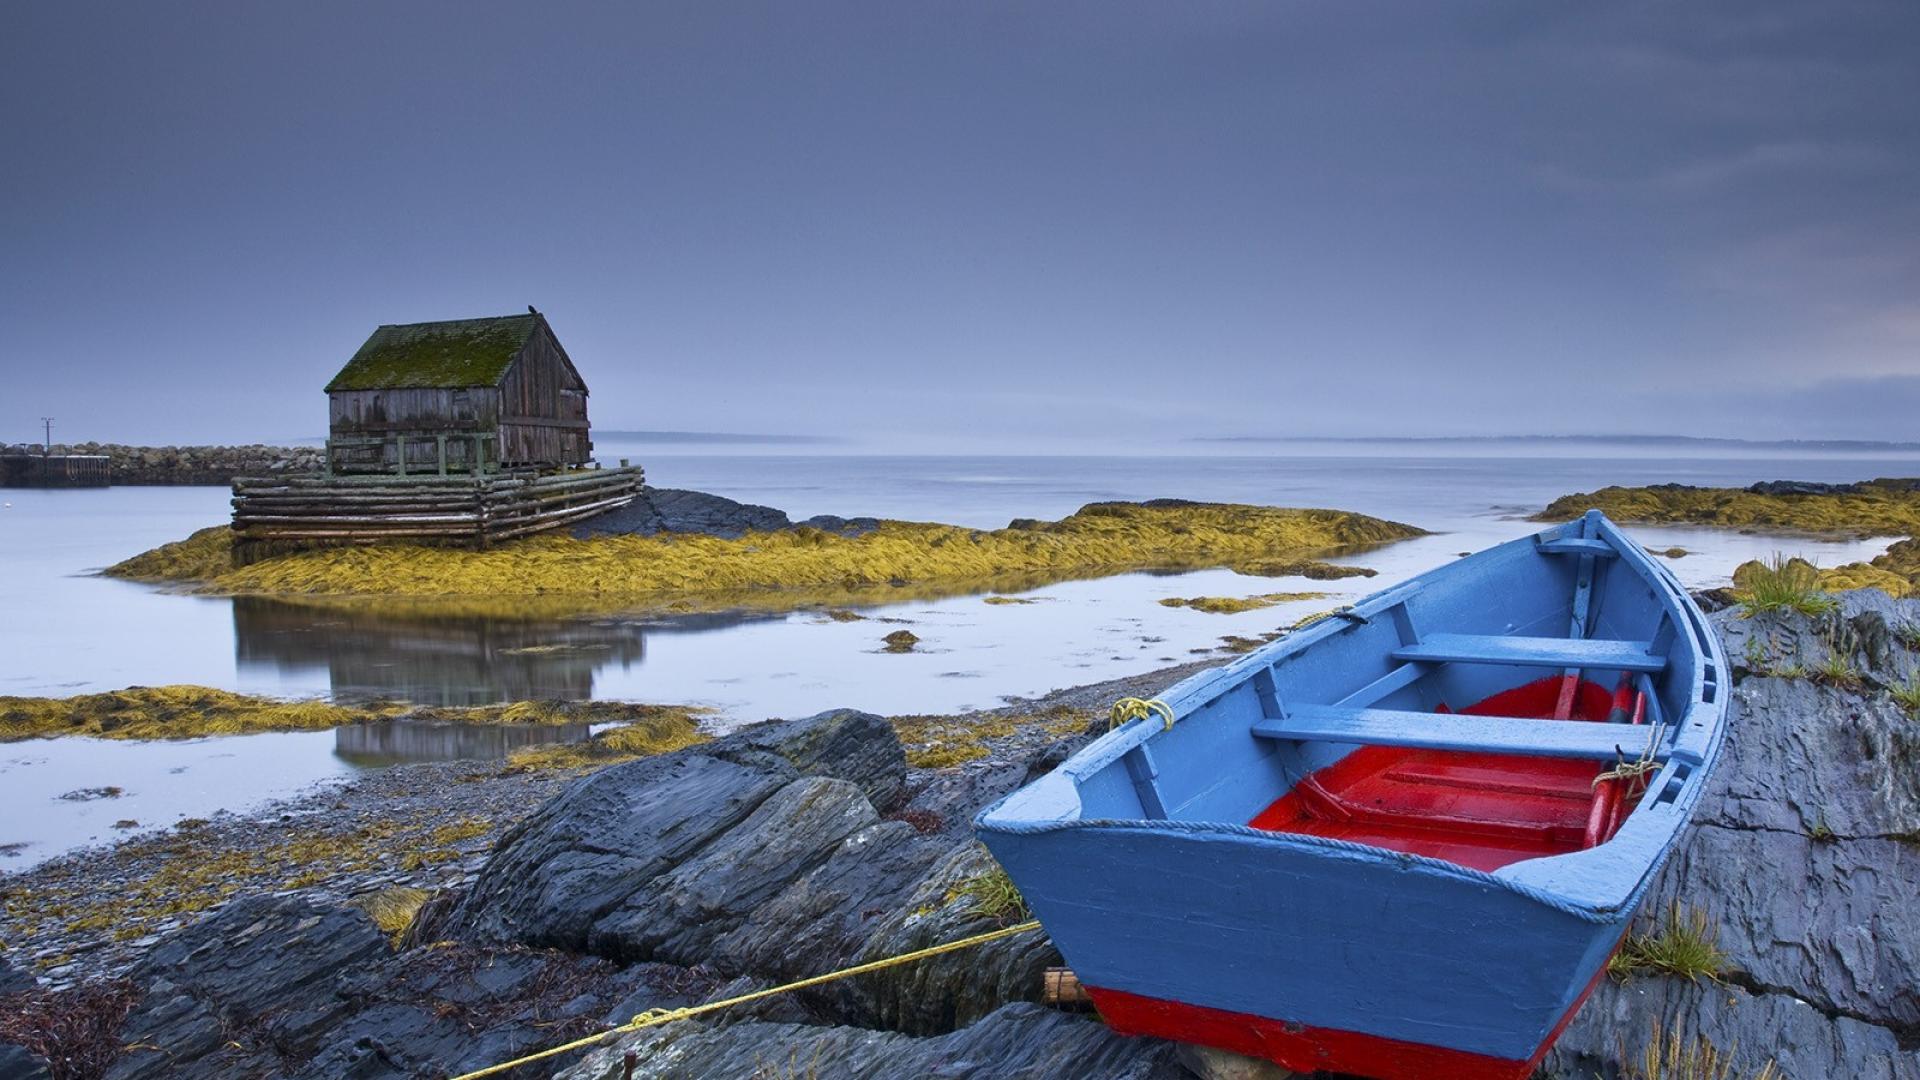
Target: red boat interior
[1473,809]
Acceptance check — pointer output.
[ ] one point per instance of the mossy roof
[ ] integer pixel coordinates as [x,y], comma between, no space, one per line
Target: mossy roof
[441,355]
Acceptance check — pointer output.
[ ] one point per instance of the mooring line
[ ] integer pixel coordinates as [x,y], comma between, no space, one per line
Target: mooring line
[655,1017]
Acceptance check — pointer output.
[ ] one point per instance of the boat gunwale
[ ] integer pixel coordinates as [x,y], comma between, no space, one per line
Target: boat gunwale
[1201,688]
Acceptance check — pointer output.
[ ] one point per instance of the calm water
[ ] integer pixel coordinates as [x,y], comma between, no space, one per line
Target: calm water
[67,631]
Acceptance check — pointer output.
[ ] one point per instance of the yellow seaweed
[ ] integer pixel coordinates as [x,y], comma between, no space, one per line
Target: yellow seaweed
[1103,538]
[185,712]
[1876,508]
[1233,605]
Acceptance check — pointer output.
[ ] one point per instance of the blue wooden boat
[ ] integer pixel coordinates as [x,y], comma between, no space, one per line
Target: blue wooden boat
[1401,842]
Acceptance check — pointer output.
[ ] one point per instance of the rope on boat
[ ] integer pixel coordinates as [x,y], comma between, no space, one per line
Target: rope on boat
[1133,708]
[1640,768]
[656,1017]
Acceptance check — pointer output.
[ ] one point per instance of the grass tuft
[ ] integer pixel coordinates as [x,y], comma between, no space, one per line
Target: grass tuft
[1909,634]
[1907,694]
[1667,1056]
[1836,668]
[1685,944]
[1781,584]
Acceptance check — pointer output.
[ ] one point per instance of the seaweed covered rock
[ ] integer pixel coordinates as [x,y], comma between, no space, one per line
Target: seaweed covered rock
[1016,1041]
[755,852]
[1802,862]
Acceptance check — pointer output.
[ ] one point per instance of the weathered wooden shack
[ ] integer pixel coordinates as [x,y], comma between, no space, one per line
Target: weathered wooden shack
[466,432]
[460,396]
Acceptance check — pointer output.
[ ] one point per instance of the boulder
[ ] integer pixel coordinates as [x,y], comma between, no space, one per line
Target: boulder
[678,915]
[843,743]
[283,987]
[671,510]
[762,852]
[1017,1041]
[949,991]
[245,991]
[834,523]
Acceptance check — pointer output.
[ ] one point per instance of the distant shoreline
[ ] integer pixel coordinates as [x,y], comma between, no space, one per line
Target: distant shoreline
[1691,441]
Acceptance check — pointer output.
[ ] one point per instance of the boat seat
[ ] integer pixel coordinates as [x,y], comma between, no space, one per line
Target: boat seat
[1457,731]
[1577,546]
[1534,652]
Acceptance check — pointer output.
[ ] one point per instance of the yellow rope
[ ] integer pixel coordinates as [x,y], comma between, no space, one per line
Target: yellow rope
[655,1017]
[1133,708]
[1639,769]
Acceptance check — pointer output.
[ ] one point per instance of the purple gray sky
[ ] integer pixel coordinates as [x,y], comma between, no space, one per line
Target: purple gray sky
[991,223]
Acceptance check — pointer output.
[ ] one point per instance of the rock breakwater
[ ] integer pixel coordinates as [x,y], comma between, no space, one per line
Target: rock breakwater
[189,465]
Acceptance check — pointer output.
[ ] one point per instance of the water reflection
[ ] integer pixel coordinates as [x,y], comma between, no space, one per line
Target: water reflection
[431,657]
[401,742]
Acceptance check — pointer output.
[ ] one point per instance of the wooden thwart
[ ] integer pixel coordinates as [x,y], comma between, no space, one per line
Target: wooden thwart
[1599,655]
[1455,731]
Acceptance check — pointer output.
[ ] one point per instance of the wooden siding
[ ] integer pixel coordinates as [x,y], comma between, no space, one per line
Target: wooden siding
[543,407]
[536,417]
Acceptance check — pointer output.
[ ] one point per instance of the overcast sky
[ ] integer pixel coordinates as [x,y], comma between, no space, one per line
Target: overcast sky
[1003,222]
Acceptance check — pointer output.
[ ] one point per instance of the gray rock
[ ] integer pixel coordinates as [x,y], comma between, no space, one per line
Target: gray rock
[823,918]
[659,510]
[944,992]
[1210,1064]
[762,845]
[1802,487]
[553,876]
[236,993]
[1803,856]
[13,979]
[834,523]
[678,915]
[1018,1042]
[843,743]
[20,1063]
[1803,1042]
[1864,628]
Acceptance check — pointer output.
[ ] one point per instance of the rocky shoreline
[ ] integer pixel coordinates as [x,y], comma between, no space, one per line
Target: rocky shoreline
[187,465]
[795,847]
